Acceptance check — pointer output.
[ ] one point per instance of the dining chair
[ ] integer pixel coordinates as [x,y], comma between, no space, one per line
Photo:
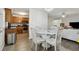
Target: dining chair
[59,39]
[53,38]
[45,45]
[37,39]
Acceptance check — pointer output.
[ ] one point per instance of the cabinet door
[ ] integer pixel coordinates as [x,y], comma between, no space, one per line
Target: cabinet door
[8,14]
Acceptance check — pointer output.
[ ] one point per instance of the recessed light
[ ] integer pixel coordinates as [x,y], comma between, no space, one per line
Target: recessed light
[22,13]
[63,15]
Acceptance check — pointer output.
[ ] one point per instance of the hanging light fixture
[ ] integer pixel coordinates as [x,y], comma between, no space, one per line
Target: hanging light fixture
[48,9]
[63,15]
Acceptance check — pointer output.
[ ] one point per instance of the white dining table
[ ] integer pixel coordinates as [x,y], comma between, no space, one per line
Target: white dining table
[44,32]
[45,36]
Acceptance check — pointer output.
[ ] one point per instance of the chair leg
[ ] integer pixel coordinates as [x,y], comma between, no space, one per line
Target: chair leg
[60,47]
[32,45]
[46,47]
[35,47]
[55,48]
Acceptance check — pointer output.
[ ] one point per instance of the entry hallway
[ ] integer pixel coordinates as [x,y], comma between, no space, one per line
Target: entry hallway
[23,44]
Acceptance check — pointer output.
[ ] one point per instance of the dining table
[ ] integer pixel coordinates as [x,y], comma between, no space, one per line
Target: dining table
[45,35]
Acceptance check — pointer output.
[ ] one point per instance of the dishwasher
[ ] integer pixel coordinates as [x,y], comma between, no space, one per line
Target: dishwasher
[11,38]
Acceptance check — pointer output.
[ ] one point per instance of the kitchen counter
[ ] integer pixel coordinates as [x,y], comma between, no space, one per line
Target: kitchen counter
[11,31]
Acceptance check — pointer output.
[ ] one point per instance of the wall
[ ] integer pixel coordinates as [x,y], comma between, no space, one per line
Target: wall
[56,22]
[67,20]
[50,20]
[71,18]
[37,17]
[2,28]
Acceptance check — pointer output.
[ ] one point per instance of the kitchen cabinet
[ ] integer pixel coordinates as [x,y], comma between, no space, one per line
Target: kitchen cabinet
[8,15]
[19,19]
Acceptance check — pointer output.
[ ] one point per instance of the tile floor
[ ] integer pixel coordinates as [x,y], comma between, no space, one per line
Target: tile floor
[23,44]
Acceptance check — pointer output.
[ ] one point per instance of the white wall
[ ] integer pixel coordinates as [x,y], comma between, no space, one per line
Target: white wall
[67,21]
[56,22]
[2,28]
[73,20]
[50,20]
[37,17]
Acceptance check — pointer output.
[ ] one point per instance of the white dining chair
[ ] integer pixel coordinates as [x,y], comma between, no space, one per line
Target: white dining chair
[37,38]
[45,45]
[59,39]
[52,40]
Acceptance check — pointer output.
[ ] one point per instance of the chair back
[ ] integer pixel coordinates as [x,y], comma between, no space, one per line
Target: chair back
[35,33]
[53,36]
[55,33]
[56,36]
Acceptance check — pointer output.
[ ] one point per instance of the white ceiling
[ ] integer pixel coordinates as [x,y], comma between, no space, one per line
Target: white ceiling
[20,9]
[55,13]
[69,12]
[15,11]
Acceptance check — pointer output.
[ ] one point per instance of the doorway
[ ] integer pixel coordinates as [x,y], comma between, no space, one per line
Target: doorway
[17,29]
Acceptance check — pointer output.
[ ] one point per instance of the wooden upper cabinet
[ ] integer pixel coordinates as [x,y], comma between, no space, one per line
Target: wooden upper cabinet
[14,19]
[25,20]
[8,14]
[19,19]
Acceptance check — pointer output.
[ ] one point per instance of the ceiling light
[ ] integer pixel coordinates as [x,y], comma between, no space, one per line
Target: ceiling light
[63,15]
[22,13]
[48,9]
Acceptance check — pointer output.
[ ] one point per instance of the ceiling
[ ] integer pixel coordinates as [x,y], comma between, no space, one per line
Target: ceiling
[55,13]
[19,11]
[69,12]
